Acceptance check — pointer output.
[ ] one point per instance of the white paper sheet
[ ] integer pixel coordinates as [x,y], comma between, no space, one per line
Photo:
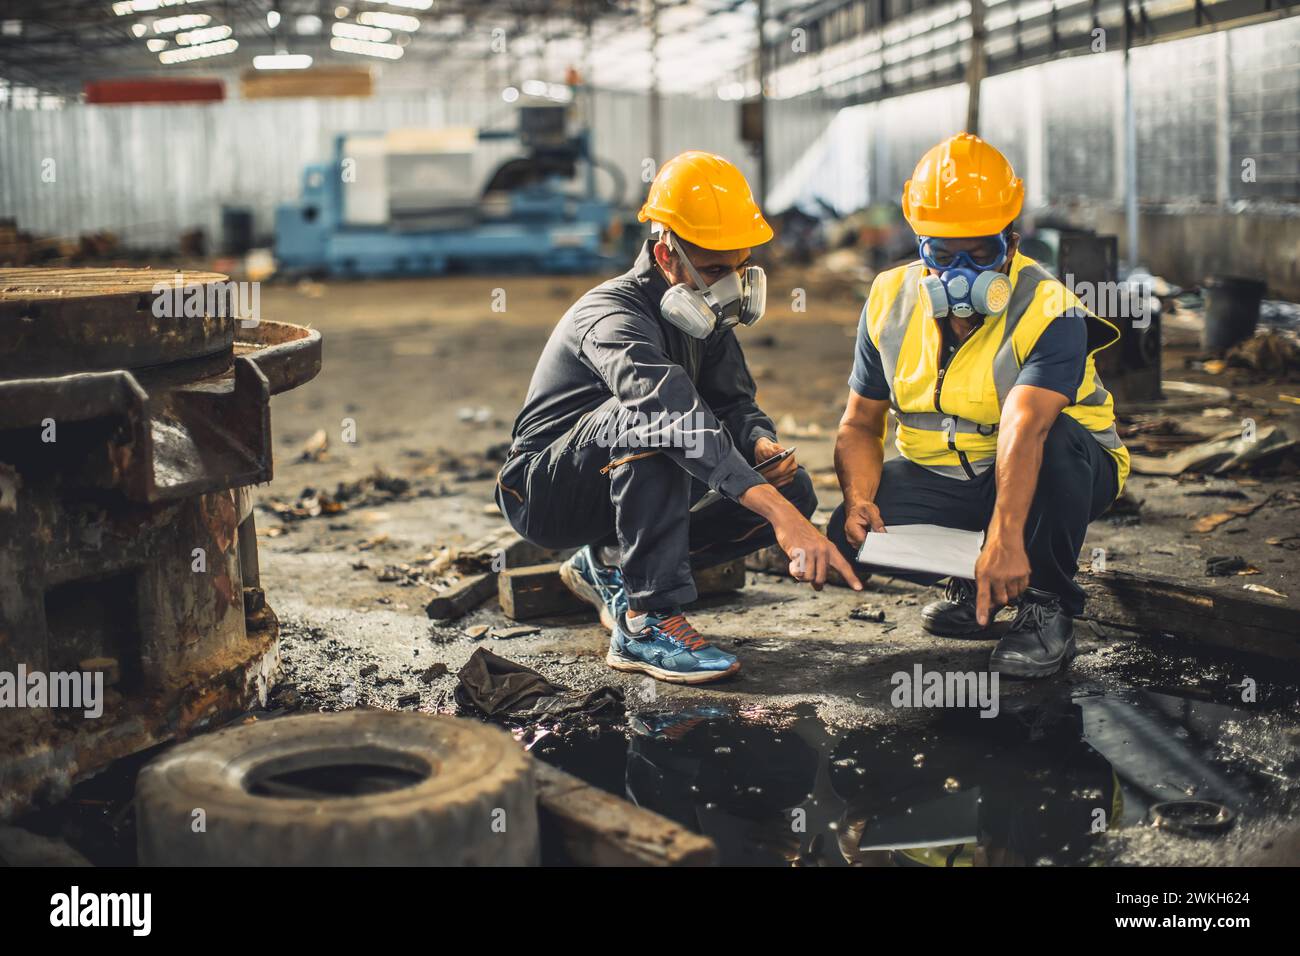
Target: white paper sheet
[924,548]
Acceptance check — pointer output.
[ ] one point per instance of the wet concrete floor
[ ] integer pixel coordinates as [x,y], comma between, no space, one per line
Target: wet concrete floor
[1056,778]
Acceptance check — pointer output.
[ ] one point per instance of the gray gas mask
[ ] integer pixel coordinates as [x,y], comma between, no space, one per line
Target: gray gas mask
[738,298]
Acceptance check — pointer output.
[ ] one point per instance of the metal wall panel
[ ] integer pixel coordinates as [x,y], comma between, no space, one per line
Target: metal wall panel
[1264,98]
[149,172]
[1174,90]
[1082,99]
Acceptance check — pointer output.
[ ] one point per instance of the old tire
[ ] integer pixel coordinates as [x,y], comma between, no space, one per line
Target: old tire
[362,788]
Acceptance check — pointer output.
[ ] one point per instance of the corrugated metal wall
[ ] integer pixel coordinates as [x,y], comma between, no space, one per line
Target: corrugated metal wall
[1203,106]
[149,172]
[1174,102]
[1264,98]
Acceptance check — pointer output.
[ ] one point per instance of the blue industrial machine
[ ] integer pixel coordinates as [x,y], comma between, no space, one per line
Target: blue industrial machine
[410,202]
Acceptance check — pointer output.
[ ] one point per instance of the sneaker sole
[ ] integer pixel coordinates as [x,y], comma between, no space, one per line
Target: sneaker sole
[629,666]
[577,584]
[1022,669]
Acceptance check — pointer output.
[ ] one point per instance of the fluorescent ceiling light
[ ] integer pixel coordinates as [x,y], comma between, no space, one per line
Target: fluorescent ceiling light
[551,91]
[411,4]
[388,51]
[203,35]
[139,29]
[124,8]
[308,25]
[355,31]
[282,61]
[272,18]
[186,21]
[202,51]
[156,45]
[393,21]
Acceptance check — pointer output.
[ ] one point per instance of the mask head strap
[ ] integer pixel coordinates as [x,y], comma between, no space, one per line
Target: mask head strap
[701,286]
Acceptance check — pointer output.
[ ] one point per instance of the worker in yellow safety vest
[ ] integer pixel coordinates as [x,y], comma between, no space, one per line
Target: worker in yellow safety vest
[987,362]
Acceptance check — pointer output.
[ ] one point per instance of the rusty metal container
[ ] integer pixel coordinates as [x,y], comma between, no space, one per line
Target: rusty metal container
[134,419]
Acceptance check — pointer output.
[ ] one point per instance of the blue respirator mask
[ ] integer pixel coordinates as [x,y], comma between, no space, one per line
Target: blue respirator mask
[968,281]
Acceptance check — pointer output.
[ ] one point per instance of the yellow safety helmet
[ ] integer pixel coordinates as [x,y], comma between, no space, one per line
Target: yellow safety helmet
[962,187]
[705,200]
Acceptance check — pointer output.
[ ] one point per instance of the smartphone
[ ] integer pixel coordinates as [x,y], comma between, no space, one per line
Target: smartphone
[711,497]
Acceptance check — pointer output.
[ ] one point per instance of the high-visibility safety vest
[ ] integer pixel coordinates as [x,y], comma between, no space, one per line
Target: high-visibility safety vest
[948,419]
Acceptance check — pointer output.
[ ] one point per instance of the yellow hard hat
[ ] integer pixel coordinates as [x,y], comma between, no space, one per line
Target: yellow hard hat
[962,187]
[705,200]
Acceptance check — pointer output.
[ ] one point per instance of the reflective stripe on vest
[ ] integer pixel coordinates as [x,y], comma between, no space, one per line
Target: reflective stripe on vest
[1005,367]
[894,328]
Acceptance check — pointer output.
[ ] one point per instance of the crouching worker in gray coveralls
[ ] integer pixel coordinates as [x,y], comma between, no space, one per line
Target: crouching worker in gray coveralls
[640,406]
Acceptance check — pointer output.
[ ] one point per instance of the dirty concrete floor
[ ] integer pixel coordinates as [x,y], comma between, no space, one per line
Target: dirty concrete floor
[431,377]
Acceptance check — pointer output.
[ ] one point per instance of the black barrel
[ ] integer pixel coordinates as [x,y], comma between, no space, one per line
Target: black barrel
[236,230]
[1231,311]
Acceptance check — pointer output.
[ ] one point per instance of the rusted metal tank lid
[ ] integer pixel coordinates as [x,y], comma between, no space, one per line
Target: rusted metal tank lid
[60,321]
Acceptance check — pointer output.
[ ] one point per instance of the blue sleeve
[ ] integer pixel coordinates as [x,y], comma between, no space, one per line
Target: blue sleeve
[868,378]
[1058,358]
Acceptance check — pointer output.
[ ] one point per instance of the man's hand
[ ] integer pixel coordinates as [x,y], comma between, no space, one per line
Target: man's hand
[780,474]
[859,519]
[811,554]
[1001,575]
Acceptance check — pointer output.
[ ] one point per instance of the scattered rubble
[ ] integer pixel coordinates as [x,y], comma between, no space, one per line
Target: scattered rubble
[868,612]
[1228,451]
[496,687]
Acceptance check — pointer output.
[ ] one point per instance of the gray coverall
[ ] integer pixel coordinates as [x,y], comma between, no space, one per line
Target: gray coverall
[578,473]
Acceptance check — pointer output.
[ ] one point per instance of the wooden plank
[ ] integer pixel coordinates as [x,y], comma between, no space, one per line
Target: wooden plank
[478,563]
[586,826]
[501,549]
[1224,618]
[721,578]
[537,591]
[462,597]
[526,593]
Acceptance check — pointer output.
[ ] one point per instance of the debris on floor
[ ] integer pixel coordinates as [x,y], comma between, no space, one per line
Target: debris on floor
[496,687]
[1225,452]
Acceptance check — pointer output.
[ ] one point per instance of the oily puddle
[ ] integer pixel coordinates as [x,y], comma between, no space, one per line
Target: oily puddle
[1039,784]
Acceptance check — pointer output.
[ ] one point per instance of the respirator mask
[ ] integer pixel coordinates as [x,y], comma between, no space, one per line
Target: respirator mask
[738,298]
[968,281]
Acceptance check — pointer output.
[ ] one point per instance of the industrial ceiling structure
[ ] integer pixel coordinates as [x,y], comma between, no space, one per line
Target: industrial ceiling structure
[846,50]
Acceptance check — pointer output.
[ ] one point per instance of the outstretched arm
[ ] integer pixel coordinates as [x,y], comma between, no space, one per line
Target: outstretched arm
[635,367]
[859,458]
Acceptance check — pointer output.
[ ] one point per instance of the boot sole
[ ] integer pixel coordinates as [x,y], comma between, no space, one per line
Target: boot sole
[1047,669]
[939,631]
[578,585]
[629,666]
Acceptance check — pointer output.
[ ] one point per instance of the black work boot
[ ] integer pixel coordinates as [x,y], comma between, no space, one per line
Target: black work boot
[954,616]
[1039,642]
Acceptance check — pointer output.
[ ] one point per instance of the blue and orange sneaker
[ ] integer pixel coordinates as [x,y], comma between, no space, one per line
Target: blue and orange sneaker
[668,649]
[596,584]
